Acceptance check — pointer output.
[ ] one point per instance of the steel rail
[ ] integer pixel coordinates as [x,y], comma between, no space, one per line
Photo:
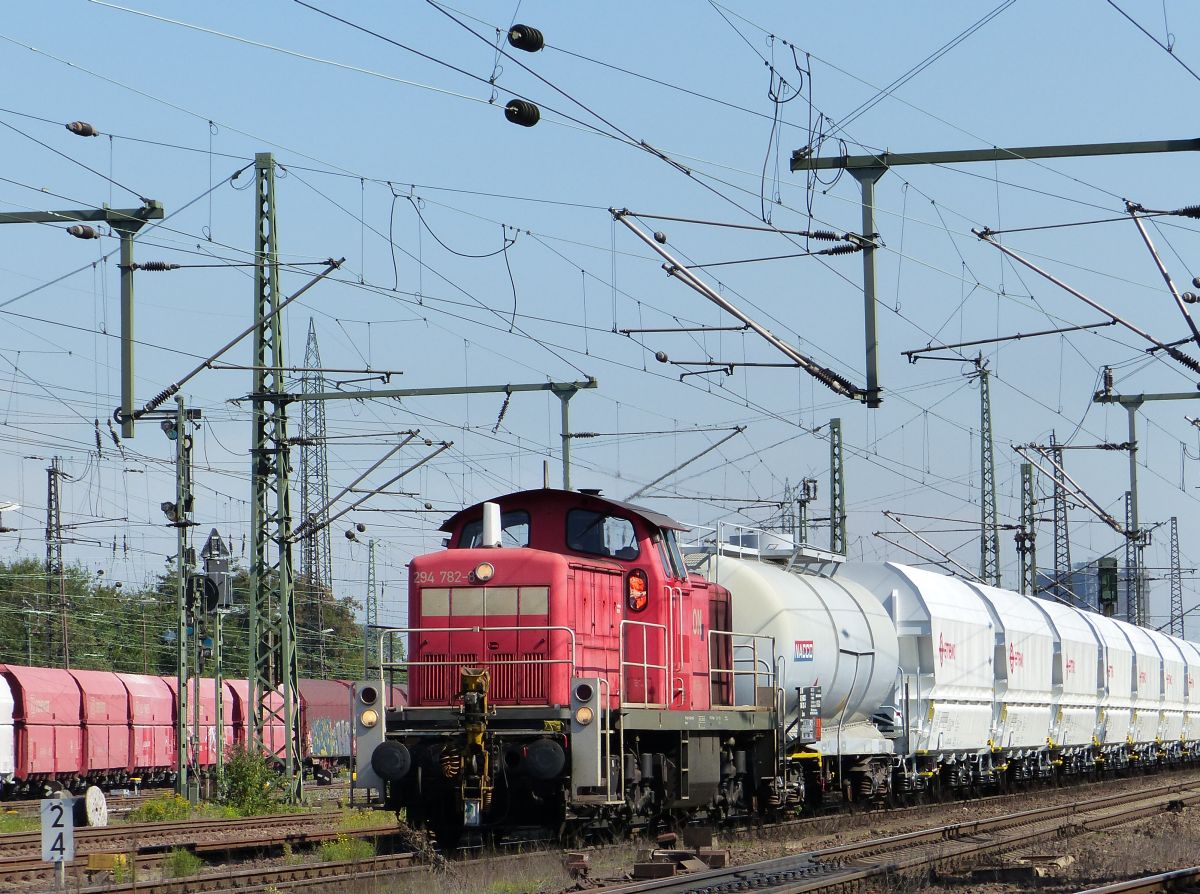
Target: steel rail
[1177,880]
[831,868]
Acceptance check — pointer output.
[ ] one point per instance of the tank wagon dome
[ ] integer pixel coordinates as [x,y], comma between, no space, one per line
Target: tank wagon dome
[830,633]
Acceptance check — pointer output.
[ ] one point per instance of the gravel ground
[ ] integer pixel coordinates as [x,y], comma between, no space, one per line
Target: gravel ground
[1138,849]
[1158,844]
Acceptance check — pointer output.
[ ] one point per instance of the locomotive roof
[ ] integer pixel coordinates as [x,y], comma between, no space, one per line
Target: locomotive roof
[584,499]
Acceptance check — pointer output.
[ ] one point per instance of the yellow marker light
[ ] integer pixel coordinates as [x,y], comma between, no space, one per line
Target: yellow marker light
[584,715]
[484,572]
[369,718]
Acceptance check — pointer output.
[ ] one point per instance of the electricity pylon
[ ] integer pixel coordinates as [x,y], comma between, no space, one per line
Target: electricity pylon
[316,570]
[989,531]
[272,621]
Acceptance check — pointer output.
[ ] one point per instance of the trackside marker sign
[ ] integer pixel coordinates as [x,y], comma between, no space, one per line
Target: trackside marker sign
[58,830]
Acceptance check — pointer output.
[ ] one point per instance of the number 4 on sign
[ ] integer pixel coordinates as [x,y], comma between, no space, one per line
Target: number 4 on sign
[58,830]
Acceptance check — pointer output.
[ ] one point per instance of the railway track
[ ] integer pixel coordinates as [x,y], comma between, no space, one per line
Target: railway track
[1179,880]
[120,804]
[849,865]
[20,853]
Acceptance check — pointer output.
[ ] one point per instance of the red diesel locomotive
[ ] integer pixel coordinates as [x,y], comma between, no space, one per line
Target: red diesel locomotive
[566,673]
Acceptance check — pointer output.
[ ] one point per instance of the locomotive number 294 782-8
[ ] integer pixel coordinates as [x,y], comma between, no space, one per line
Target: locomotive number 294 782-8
[440,577]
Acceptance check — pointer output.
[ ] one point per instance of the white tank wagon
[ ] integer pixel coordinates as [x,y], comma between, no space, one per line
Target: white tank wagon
[830,633]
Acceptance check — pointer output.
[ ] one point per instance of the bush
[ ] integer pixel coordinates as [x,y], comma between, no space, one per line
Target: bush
[181,863]
[346,848]
[161,809]
[248,784]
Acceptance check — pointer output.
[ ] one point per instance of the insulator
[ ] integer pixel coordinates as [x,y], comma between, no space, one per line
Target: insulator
[522,112]
[485,800]
[661,356]
[1108,379]
[1190,297]
[841,250]
[1196,281]
[82,129]
[1189,211]
[83,231]
[155,266]
[824,235]
[660,237]
[526,37]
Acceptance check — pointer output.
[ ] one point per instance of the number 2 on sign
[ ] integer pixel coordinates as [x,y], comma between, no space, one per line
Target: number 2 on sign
[57,846]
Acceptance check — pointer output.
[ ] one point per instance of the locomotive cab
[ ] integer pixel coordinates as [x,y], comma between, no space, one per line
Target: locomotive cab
[565,670]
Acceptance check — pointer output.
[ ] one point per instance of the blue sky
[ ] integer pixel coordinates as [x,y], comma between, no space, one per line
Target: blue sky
[404,165]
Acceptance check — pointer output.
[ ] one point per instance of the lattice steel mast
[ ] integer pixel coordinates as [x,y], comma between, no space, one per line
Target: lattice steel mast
[316,568]
[1026,535]
[371,617]
[837,490]
[1176,628]
[1133,571]
[989,532]
[56,597]
[272,621]
[1062,534]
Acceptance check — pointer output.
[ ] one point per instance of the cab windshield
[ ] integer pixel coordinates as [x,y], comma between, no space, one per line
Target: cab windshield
[514,531]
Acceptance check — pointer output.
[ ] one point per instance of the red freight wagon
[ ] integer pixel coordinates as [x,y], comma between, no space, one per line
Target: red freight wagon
[105,703]
[325,724]
[208,716]
[274,730]
[151,725]
[47,723]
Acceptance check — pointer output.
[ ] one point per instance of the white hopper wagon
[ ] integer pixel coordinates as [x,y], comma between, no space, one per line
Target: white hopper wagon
[1174,688]
[1191,717]
[1024,669]
[1078,678]
[1147,687]
[947,647]
[7,754]
[1116,681]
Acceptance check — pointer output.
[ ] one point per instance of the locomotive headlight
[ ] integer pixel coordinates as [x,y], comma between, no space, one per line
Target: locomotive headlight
[584,715]
[484,572]
[369,718]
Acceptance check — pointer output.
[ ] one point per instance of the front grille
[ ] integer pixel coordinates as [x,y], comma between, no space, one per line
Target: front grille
[512,682]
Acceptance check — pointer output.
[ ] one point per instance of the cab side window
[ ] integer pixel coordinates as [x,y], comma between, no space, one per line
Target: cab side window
[601,535]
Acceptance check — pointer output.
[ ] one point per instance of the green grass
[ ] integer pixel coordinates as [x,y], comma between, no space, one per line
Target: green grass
[12,822]
[365,819]
[181,863]
[346,848]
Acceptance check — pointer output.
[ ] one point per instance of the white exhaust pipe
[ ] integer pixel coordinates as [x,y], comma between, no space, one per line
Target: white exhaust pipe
[491,524]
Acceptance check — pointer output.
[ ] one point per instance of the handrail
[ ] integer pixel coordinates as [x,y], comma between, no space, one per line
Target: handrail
[645,664]
[760,668]
[484,660]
